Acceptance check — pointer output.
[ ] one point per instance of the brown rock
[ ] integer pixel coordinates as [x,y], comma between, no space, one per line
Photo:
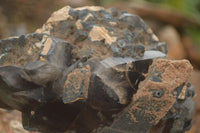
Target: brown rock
[169,35]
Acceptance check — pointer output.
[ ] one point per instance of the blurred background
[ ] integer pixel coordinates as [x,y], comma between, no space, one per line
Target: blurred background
[176,22]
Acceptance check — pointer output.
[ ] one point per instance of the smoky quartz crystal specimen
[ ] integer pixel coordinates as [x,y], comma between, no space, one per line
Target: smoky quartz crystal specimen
[95,70]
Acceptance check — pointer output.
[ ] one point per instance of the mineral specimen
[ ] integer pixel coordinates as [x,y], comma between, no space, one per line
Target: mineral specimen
[95,70]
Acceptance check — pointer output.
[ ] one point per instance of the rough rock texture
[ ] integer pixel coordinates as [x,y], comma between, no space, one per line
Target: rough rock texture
[95,70]
[100,32]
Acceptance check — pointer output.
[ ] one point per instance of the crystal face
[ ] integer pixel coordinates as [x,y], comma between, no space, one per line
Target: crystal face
[94,70]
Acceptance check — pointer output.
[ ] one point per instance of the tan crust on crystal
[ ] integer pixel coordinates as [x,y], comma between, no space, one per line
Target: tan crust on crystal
[155,37]
[62,14]
[174,74]
[99,33]
[47,46]
[91,8]
[75,79]
[112,23]
[79,25]
[182,94]
[88,17]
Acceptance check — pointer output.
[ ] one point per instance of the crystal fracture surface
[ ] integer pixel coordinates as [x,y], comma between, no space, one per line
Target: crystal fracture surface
[95,70]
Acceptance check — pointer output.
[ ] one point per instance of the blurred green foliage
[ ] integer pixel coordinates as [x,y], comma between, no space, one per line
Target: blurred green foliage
[185,6]
[194,32]
[104,2]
